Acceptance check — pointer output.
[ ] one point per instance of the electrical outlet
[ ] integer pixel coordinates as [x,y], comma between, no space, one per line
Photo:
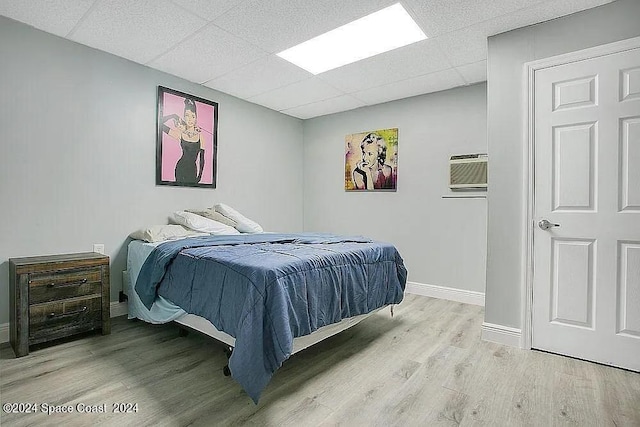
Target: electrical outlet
[98,248]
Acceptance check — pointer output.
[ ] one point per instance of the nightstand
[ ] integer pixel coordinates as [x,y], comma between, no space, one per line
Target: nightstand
[57,296]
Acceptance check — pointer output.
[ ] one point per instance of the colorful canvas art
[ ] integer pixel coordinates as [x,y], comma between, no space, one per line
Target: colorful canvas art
[186,144]
[371,160]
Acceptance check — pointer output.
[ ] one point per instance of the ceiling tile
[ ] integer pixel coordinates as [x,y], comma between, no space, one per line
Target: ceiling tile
[465,46]
[280,24]
[296,94]
[442,16]
[208,9]
[54,16]
[474,73]
[469,44]
[537,13]
[328,106]
[587,4]
[413,60]
[433,82]
[208,54]
[136,30]
[229,44]
[261,76]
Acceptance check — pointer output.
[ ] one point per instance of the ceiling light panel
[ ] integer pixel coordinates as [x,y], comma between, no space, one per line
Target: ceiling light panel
[379,32]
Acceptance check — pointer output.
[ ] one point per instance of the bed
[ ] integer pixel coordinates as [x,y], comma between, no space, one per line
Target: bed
[266,295]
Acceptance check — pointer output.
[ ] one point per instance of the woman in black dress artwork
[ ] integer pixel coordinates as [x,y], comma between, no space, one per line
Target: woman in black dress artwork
[187,132]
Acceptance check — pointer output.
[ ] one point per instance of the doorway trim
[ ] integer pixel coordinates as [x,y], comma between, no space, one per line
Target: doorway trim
[528,178]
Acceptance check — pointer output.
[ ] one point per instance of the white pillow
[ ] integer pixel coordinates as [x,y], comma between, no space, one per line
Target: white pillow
[216,216]
[160,233]
[202,224]
[244,224]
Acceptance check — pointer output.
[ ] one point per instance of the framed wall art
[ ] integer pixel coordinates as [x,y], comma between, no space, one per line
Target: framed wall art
[186,141]
[371,161]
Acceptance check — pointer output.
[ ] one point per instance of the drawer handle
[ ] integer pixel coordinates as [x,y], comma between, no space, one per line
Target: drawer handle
[71,313]
[65,285]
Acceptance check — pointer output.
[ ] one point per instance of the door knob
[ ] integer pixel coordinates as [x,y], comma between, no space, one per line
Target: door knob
[545,225]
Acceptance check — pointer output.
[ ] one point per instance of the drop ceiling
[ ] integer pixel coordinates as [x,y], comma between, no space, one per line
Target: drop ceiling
[231,45]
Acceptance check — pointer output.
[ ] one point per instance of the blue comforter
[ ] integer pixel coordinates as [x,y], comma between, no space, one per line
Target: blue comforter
[266,289]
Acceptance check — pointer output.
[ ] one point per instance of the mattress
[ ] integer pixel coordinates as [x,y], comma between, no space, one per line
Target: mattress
[162,310]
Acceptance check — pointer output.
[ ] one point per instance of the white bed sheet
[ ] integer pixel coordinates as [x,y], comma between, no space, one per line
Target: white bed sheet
[162,310]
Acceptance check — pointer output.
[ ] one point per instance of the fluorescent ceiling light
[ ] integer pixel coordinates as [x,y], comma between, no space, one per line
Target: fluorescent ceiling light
[382,31]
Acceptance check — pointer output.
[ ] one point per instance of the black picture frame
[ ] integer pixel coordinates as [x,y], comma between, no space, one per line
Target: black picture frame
[186,150]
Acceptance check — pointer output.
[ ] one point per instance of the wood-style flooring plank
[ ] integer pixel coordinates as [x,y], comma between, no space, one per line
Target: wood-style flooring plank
[426,365]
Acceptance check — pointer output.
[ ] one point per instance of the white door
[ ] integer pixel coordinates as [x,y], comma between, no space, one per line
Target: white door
[586,280]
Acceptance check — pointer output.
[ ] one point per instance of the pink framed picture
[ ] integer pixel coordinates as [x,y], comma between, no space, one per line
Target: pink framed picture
[186,142]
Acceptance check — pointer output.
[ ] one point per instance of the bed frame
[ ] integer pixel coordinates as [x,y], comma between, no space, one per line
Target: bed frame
[202,325]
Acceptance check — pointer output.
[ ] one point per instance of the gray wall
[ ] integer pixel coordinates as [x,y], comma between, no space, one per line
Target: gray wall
[443,242]
[77,153]
[508,53]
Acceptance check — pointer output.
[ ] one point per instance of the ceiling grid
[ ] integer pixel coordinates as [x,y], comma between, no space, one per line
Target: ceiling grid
[231,45]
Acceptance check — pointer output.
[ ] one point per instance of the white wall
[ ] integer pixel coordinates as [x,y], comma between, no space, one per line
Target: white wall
[77,153]
[508,53]
[443,242]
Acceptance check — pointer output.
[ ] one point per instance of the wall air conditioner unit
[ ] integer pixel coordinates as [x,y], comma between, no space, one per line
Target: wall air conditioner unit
[468,171]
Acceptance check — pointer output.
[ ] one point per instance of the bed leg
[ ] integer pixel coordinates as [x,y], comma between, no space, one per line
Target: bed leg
[183,332]
[228,351]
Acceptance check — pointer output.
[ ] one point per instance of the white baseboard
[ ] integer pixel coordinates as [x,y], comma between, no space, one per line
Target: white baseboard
[4,333]
[117,309]
[453,294]
[502,334]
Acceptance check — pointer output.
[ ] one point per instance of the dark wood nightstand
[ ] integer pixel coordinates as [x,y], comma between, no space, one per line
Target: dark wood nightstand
[57,296]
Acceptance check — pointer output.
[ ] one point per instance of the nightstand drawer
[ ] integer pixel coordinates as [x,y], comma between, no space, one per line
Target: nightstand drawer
[57,285]
[59,319]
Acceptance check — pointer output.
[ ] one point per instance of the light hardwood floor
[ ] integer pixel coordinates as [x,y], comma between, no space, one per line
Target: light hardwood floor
[425,366]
